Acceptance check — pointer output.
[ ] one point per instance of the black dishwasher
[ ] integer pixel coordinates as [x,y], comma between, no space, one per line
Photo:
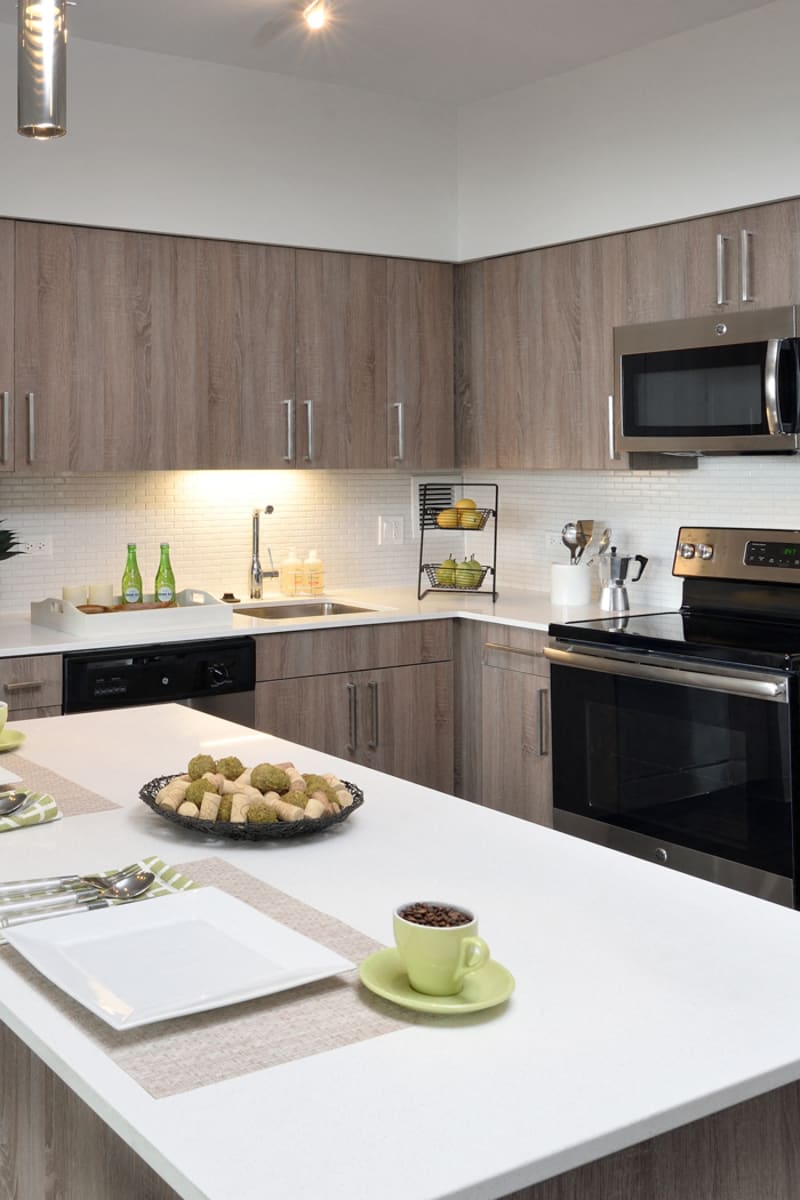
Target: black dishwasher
[216,677]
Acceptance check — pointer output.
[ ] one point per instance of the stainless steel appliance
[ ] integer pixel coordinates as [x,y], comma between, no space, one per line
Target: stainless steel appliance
[676,735]
[709,385]
[217,677]
[614,574]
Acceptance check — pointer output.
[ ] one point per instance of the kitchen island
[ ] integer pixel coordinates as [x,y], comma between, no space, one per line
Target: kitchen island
[646,1001]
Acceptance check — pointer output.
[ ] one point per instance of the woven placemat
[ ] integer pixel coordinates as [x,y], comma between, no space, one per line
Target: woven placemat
[191,1052]
[73,799]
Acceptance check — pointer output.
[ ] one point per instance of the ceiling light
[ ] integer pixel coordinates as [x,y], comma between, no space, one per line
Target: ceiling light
[42,68]
[316,14]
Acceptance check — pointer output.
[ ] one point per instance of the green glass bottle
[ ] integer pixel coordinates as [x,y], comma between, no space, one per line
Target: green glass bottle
[165,578]
[131,578]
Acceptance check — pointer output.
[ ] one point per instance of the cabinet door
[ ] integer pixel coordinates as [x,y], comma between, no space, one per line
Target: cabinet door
[341,360]
[602,301]
[420,364]
[516,773]
[475,419]
[406,723]
[31,683]
[6,345]
[684,269]
[318,711]
[78,323]
[766,249]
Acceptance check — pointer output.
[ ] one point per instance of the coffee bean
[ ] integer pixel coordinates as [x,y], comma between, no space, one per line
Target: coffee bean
[439,916]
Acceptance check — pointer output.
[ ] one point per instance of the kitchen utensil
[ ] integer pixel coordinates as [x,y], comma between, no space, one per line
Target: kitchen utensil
[11,802]
[602,546]
[584,531]
[614,572]
[23,887]
[569,536]
[127,887]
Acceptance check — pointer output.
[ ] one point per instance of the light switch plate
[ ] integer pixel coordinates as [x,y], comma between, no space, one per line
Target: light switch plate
[391,531]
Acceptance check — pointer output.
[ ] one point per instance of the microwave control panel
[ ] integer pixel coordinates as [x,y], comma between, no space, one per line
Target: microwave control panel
[754,554]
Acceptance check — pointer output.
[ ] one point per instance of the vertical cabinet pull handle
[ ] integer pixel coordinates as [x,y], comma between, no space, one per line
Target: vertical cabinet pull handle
[352,705]
[289,455]
[612,441]
[4,449]
[373,695]
[722,275]
[542,747]
[309,407]
[31,400]
[746,240]
[401,432]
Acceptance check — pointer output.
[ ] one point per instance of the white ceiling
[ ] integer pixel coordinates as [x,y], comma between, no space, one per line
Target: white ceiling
[447,51]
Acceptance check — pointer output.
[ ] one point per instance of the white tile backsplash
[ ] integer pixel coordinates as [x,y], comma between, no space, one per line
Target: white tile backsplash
[205,516]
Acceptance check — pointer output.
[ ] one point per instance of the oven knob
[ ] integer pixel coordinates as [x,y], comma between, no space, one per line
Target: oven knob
[687,550]
[661,855]
[704,551]
[218,675]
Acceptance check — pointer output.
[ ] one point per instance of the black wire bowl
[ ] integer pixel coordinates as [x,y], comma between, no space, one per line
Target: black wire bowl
[241,831]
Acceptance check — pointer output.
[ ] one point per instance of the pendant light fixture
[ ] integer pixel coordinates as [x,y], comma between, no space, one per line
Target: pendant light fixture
[42,68]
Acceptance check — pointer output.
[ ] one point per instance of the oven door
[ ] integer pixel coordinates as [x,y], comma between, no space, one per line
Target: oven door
[708,386]
[687,764]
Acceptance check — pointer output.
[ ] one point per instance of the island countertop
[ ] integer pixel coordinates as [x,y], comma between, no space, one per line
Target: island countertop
[645,999]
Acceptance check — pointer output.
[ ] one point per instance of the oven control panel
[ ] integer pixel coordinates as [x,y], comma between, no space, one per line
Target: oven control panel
[721,553]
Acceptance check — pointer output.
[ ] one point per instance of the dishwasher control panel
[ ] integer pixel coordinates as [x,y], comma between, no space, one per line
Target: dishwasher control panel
[158,674]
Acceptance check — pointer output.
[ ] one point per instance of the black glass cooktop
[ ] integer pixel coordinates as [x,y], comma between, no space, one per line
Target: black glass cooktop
[772,643]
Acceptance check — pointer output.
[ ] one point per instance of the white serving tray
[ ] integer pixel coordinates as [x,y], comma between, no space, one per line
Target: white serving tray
[194,609]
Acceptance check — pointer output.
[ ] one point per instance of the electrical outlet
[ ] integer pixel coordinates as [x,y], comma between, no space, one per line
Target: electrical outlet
[552,541]
[390,531]
[40,547]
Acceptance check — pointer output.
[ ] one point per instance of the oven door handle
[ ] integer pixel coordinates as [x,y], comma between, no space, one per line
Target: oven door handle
[758,688]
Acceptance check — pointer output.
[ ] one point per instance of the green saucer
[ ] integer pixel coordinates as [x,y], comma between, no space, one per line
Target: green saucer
[10,739]
[383,974]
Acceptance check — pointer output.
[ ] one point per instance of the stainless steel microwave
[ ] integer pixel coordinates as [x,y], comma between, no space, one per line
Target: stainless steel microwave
[709,385]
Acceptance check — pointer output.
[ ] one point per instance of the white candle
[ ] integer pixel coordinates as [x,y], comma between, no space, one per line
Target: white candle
[101,593]
[75,593]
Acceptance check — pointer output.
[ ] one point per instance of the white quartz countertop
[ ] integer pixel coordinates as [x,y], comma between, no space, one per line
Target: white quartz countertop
[525,609]
[645,999]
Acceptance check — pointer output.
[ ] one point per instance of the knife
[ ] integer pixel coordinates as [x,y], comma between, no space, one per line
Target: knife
[27,917]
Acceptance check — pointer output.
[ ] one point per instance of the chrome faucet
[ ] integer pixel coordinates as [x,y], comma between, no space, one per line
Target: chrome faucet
[256,574]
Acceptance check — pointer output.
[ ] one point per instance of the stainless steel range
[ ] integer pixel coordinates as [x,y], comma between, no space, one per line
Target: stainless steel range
[675,734]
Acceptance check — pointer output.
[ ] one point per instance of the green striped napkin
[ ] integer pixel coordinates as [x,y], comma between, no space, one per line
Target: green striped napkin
[38,810]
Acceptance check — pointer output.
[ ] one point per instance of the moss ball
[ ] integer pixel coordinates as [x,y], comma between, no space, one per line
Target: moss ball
[315,783]
[199,765]
[267,778]
[198,789]
[231,767]
[224,810]
[261,814]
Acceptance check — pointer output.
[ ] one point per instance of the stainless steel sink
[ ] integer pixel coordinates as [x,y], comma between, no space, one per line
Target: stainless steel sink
[311,608]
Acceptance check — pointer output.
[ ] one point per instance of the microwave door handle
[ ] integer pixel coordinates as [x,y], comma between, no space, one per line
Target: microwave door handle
[771,386]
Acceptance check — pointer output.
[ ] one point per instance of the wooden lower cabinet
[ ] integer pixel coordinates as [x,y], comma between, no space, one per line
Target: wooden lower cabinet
[398,719]
[32,685]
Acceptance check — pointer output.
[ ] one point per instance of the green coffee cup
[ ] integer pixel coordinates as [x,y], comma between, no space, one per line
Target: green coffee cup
[437,959]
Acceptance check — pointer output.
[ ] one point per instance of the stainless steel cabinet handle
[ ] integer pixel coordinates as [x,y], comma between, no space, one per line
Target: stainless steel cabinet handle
[373,694]
[745,242]
[401,432]
[542,746]
[289,455]
[612,441]
[514,649]
[31,399]
[309,407]
[19,687]
[4,450]
[722,281]
[352,702]
[734,684]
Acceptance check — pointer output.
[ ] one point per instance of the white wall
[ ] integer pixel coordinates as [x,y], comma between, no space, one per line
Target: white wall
[699,122]
[173,146]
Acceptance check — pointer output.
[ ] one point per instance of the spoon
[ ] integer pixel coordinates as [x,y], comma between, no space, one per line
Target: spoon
[11,802]
[50,883]
[127,887]
[569,536]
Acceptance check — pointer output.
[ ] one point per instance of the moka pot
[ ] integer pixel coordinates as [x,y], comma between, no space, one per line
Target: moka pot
[614,569]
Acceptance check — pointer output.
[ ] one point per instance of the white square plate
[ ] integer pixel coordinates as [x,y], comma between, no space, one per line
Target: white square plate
[174,955]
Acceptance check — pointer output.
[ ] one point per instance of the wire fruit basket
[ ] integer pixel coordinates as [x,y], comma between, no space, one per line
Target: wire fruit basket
[449,515]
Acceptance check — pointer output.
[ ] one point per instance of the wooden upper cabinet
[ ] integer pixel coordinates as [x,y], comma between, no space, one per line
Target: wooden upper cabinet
[341,360]
[475,418]
[420,364]
[6,345]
